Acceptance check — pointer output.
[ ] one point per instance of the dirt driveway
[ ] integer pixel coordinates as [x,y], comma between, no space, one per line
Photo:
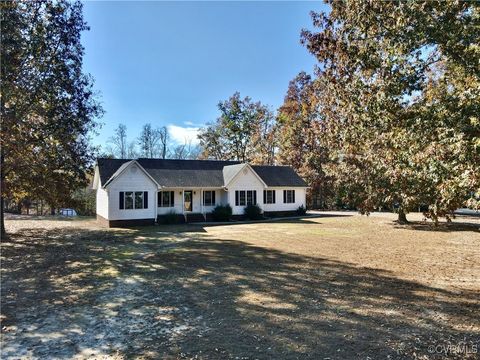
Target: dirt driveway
[340,286]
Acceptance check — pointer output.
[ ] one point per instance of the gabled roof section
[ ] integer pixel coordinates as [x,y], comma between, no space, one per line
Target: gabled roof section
[123,167]
[230,171]
[107,167]
[118,172]
[233,170]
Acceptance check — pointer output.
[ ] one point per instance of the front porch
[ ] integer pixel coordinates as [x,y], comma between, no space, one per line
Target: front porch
[189,204]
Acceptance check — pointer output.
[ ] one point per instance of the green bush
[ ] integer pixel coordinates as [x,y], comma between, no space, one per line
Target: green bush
[222,213]
[170,218]
[301,210]
[253,212]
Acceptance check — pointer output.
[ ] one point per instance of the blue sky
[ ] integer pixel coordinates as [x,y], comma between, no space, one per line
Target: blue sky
[171,63]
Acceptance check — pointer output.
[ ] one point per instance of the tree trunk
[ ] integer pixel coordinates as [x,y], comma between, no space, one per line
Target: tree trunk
[2,177]
[402,217]
[52,210]
[2,220]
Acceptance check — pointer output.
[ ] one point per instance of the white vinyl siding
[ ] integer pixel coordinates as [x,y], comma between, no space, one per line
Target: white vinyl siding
[300,199]
[132,180]
[102,202]
[245,181]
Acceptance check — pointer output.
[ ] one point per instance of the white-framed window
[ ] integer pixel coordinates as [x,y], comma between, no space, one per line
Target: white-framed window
[288,196]
[209,198]
[245,197]
[249,197]
[240,198]
[166,198]
[129,200]
[269,196]
[138,199]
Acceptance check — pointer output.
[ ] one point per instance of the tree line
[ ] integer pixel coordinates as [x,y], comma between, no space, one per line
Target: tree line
[153,142]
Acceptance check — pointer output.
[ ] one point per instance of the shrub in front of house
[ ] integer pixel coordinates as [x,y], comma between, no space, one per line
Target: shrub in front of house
[222,213]
[301,210]
[253,212]
[170,218]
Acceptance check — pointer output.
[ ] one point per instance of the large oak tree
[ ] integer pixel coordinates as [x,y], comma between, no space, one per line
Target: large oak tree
[399,91]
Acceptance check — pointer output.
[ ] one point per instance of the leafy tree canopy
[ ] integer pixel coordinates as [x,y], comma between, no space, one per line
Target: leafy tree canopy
[299,141]
[398,88]
[244,132]
[48,105]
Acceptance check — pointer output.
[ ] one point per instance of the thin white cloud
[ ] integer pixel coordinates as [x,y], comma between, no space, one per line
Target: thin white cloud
[189,123]
[181,134]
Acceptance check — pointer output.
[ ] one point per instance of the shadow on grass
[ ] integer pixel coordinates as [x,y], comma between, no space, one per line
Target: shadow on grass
[441,227]
[10,216]
[83,292]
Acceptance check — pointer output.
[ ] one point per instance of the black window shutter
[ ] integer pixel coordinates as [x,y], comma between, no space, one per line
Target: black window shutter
[273,196]
[121,200]
[145,199]
[254,197]
[264,196]
[159,199]
[293,195]
[236,198]
[213,198]
[172,195]
[284,196]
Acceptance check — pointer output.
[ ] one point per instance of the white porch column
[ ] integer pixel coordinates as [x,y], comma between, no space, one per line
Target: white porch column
[155,203]
[201,200]
[183,201]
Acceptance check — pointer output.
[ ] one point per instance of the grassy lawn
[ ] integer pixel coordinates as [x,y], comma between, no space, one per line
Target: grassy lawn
[340,286]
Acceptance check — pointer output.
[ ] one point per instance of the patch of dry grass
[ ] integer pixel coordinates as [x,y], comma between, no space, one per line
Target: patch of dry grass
[445,257]
[342,286]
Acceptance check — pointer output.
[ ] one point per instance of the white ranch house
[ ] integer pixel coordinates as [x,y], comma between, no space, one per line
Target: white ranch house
[136,192]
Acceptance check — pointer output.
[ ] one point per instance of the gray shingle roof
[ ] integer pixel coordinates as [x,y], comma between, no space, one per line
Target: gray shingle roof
[199,173]
[108,167]
[279,175]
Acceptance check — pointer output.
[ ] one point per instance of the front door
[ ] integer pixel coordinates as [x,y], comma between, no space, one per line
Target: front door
[187,200]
